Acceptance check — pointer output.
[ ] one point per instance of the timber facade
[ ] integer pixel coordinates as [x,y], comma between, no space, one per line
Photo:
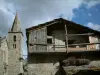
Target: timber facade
[49,44]
[60,35]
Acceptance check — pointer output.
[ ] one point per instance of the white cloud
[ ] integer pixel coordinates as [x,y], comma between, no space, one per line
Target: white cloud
[7,9]
[91,3]
[35,10]
[44,10]
[32,11]
[4,7]
[93,26]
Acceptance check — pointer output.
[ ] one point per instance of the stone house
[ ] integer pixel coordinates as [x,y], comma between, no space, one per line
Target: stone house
[3,56]
[51,42]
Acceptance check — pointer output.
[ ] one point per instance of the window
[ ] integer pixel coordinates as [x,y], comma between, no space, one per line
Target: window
[14,38]
[49,41]
[20,74]
[14,45]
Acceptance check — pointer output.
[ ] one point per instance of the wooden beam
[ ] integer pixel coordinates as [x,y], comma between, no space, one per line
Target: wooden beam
[66,38]
[38,44]
[83,44]
[68,45]
[79,34]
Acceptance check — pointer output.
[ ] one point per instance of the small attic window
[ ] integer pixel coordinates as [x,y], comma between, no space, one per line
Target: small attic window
[14,38]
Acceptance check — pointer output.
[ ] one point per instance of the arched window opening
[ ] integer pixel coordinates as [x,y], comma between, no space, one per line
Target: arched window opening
[14,38]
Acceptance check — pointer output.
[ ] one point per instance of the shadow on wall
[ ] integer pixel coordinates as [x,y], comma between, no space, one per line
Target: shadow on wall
[61,71]
[88,72]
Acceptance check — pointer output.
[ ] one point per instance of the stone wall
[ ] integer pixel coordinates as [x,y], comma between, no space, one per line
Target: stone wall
[1,62]
[3,56]
[44,64]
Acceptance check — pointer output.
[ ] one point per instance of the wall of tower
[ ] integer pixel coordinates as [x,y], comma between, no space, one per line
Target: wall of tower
[14,53]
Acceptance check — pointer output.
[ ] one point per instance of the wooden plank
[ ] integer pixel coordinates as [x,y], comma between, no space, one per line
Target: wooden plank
[47,25]
[34,40]
[41,39]
[38,37]
[80,34]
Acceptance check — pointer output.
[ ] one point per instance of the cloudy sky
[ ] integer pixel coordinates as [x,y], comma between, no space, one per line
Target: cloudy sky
[33,12]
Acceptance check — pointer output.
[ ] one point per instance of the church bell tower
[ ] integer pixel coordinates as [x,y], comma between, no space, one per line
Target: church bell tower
[15,36]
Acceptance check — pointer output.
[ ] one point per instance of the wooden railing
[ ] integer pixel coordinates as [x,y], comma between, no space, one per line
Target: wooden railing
[71,47]
[62,48]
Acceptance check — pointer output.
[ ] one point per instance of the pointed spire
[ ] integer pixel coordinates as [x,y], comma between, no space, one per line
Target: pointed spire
[16,25]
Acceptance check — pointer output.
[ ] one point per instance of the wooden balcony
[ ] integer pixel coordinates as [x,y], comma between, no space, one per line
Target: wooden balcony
[71,49]
[62,48]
